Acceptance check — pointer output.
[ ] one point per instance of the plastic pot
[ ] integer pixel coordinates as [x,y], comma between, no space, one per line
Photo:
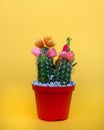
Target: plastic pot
[53,103]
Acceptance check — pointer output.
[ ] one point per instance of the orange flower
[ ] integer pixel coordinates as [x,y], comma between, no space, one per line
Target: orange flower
[39,43]
[49,42]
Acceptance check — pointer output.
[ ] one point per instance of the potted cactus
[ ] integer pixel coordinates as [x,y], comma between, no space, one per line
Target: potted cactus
[53,87]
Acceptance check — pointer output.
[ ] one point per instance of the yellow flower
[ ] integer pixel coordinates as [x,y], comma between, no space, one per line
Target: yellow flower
[49,42]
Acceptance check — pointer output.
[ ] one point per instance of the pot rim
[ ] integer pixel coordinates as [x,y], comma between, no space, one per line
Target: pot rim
[56,89]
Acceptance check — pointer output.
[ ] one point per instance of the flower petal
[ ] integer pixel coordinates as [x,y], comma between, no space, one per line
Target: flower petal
[63,54]
[65,47]
[39,43]
[51,52]
[49,42]
[70,55]
[36,51]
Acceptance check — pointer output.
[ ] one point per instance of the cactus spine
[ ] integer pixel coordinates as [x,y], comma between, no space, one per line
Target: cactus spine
[44,68]
[63,71]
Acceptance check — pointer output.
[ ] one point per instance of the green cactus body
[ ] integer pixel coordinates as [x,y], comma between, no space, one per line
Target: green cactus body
[44,68]
[63,71]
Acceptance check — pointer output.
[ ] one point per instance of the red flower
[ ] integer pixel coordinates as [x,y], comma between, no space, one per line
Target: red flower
[65,47]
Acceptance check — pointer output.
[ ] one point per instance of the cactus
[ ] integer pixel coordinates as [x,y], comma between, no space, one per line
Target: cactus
[47,70]
[45,66]
[63,71]
[64,64]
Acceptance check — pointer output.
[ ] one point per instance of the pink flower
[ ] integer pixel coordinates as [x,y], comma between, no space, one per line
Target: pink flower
[63,54]
[51,52]
[36,51]
[70,55]
[65,47]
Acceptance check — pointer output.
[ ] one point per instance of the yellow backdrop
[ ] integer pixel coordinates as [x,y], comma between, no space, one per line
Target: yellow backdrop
[24,21]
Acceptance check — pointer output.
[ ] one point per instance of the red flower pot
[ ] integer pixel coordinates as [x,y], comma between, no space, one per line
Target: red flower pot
[53,103]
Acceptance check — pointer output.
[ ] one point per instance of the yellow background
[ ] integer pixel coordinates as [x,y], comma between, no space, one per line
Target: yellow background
[24,21]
